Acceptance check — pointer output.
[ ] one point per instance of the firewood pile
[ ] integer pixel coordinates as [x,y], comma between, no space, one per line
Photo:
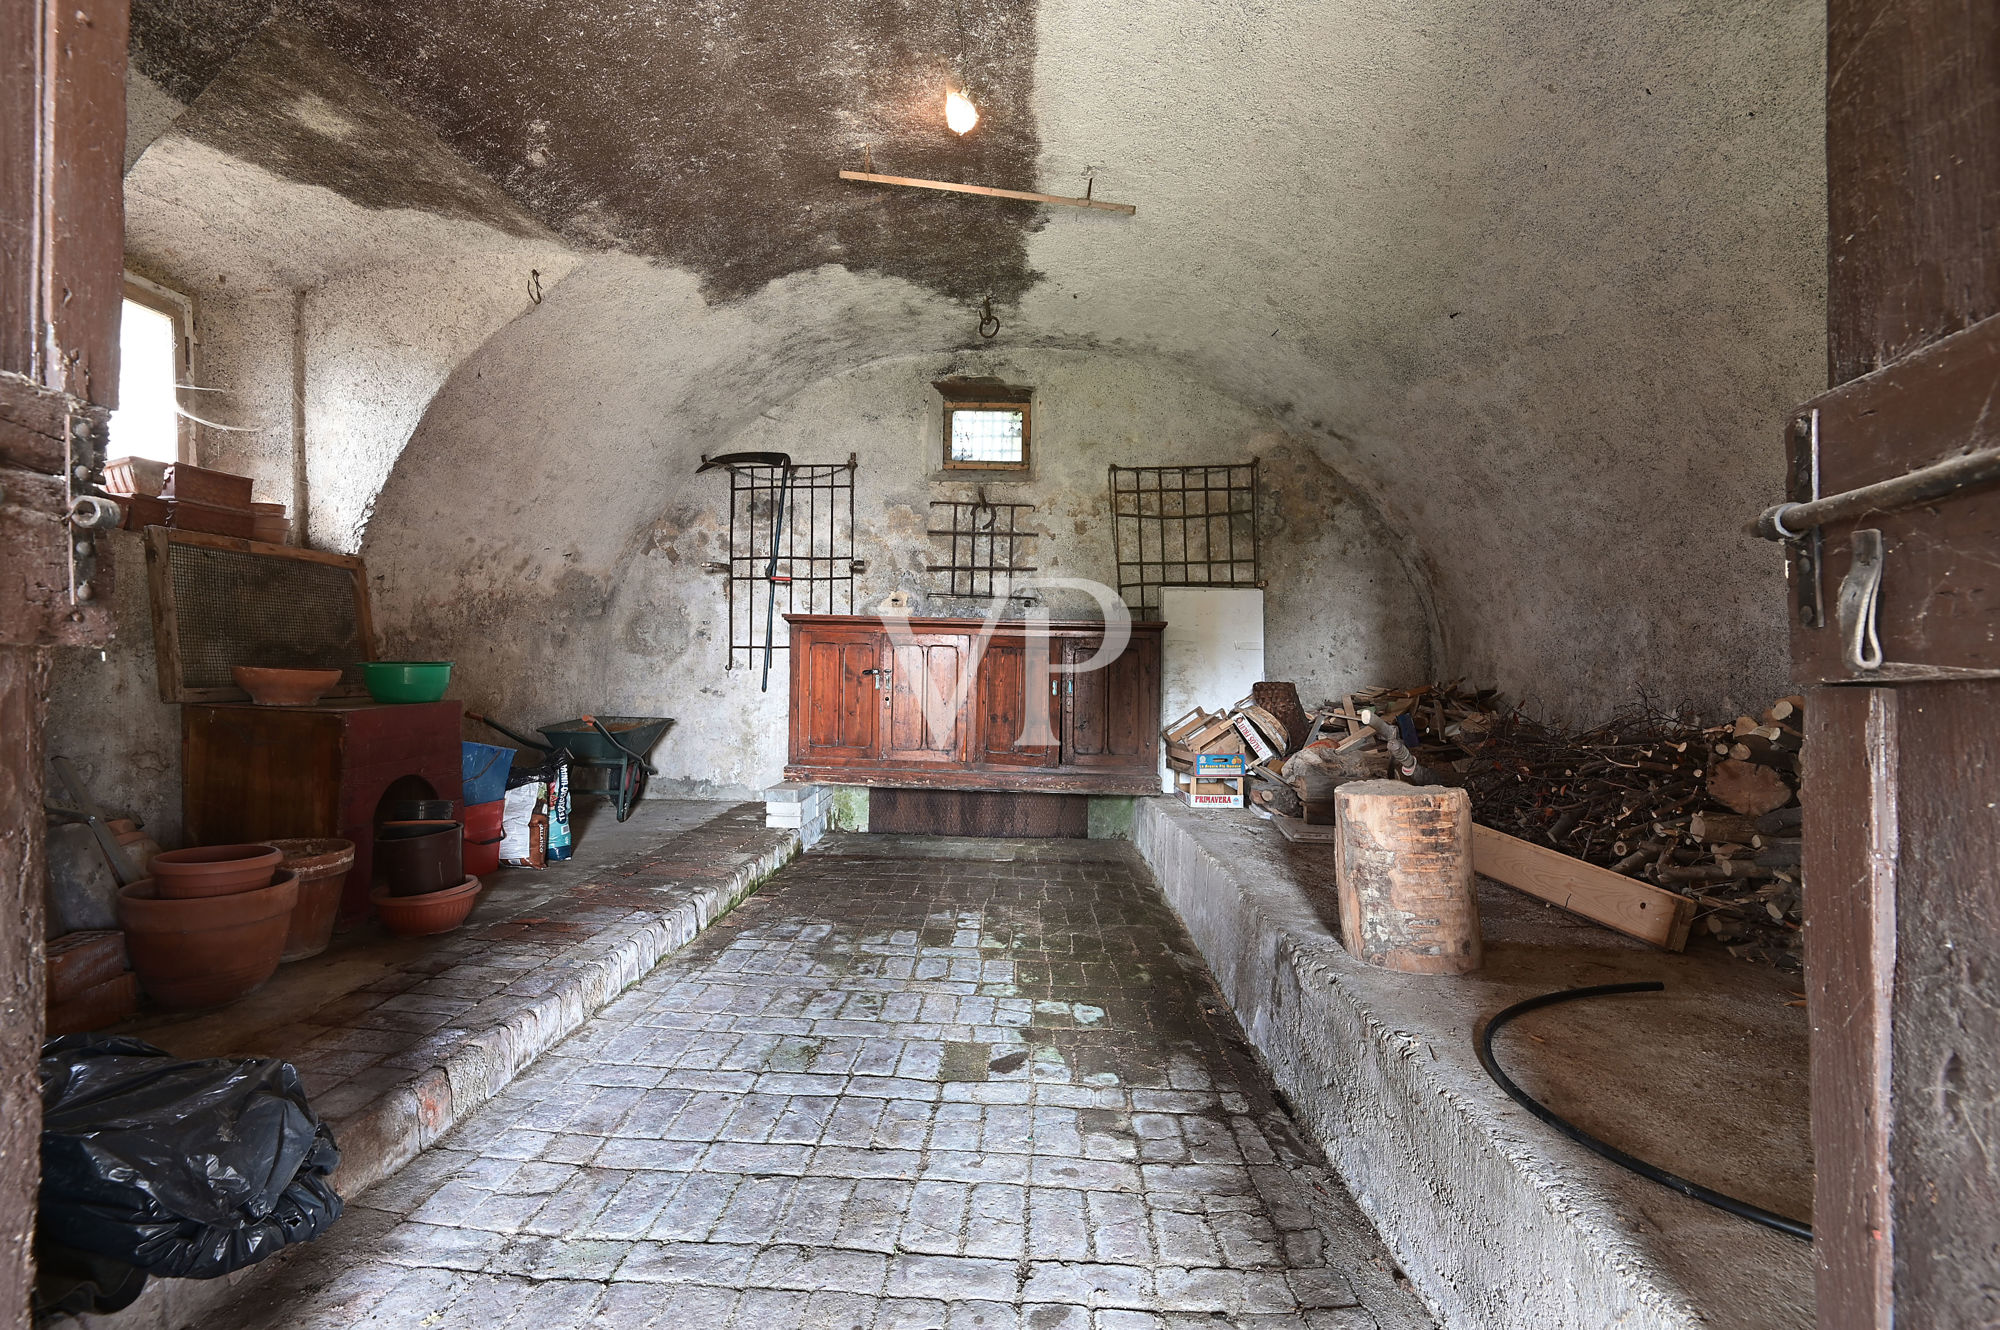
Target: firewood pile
[1708,811]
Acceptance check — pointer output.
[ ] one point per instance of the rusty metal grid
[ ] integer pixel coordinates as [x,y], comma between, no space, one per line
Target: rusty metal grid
[815,567]
[987,545]
[1183,526]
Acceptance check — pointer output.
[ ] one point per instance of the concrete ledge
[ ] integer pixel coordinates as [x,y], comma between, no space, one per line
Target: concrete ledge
[388,1132]
[1497,1220]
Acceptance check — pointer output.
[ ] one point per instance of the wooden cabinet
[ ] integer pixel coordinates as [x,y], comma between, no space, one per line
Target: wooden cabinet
[253,773]
[945,705]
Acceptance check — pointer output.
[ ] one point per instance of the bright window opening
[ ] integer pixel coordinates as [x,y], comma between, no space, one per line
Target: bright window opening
[986,435]
[147,422]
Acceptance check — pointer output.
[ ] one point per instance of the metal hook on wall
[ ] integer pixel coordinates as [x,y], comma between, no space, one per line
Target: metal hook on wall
[989,322]
[535,285]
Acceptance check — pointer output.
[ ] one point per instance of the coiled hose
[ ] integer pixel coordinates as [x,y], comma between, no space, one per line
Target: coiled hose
[1694,1190]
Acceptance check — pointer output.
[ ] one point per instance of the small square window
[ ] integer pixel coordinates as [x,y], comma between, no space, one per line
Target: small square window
[983,435]
[986,425]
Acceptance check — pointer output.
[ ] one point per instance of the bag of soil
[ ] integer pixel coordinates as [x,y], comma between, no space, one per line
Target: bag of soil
[186,1169]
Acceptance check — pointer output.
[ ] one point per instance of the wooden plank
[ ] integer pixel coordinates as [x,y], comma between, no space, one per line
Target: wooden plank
[1298,829]
[83,286]
[34,425]
[1636,909]
[1850,952]
[986,191]
[1944,1019]
[1913,181]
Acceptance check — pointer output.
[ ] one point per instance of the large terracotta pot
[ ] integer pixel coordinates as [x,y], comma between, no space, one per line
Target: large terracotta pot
[322,868]
[214,870]
[209,950]
[412,858]
[432,912]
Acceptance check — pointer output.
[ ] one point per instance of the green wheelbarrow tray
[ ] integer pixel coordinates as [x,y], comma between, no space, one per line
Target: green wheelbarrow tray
[616,745]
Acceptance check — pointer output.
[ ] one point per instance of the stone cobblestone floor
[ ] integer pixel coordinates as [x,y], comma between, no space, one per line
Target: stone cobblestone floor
[912,1084]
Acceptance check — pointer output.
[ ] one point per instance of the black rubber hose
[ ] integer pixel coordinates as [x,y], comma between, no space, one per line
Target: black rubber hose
[1693,1190]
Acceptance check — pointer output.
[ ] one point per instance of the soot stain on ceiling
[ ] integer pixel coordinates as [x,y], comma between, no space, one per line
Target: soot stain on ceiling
[708,135]
[293,107]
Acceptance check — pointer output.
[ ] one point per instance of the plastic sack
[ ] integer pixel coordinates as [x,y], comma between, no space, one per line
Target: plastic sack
[188,1169]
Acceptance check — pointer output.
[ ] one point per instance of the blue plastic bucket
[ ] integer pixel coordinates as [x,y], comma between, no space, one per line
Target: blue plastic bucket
[484,768]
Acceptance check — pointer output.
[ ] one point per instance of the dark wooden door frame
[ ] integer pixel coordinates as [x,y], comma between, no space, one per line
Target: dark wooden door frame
[1900,778]
[62,247]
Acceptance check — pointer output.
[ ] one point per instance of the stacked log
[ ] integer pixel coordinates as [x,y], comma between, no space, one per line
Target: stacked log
[1708,811]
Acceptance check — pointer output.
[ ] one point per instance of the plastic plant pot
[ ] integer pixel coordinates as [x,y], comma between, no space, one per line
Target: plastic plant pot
[206,951]
[214,870]
[284,688]
[406,680]
[322,865]
[421,916]
[415,858]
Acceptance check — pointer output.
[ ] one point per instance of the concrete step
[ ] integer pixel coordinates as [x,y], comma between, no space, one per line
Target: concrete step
[1498,1220]
[572,949]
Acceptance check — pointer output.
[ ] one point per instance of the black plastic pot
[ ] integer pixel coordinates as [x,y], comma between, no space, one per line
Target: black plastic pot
[416,857]
[418,810]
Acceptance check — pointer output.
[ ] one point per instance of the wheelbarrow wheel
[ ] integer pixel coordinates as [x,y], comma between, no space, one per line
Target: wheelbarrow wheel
[631,785]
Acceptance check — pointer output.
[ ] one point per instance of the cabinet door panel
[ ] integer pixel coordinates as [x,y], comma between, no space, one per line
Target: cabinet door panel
[1107,721]
[839,702]
[1010,686]
[926,699]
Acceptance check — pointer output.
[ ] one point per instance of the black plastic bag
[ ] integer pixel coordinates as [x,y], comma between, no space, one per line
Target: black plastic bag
[188,1169]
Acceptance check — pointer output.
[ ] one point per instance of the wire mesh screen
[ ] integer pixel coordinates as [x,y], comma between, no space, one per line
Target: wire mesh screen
[987,545]
[986,435]
[236,608]
[808,517]
[1183,526]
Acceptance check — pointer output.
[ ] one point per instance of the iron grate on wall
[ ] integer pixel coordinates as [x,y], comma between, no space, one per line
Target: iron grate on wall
[815,547]
[1183,526]
[987,545]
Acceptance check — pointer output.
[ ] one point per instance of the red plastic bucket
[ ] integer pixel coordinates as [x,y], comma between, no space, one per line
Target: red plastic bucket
[482,857]
[482,821]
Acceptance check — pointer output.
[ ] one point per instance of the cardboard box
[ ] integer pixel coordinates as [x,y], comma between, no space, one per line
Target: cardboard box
[1210,791]
[1253,738]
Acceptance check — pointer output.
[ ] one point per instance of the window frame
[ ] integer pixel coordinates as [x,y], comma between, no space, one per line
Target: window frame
[986,395]
[179,309]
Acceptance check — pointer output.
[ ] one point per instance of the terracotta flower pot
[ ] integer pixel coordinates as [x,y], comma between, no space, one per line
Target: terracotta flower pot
[322,868]
[284,688]
[214,870]
[412,858]
[210,950]
[432,912]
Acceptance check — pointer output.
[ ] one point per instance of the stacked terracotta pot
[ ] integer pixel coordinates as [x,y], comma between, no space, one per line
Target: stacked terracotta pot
[209,925]
[422,886]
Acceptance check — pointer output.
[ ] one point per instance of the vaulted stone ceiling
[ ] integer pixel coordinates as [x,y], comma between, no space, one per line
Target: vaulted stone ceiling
[1543,280]
[705,135]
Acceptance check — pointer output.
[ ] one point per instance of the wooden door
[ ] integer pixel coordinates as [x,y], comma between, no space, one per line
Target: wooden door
[1013,678]
[62,244]
[1902,841]
[1107,720]
[836,696]
[924,701]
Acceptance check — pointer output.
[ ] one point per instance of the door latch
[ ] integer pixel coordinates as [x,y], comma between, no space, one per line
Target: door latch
[1860,595]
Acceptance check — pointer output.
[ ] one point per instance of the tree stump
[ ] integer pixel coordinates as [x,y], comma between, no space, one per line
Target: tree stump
[1405,877]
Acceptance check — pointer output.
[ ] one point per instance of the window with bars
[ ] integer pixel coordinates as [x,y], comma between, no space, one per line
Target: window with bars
[987,425]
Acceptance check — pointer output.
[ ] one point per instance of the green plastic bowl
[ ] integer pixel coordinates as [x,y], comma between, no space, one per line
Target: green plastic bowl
[406,680]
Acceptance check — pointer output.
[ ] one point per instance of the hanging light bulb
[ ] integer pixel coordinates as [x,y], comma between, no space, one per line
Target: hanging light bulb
[959,112]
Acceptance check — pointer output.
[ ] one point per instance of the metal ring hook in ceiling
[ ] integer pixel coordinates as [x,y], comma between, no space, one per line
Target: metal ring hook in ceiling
[989,322]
